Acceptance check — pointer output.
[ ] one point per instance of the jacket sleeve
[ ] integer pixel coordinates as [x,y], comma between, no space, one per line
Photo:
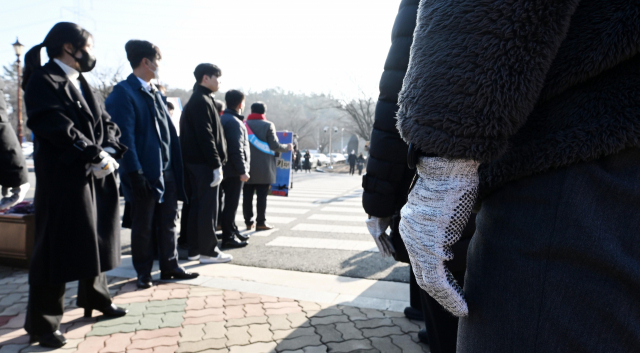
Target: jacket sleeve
[274,143]
[49,121]
[387,180]
[13,167]
[476,71]
[120,108]
[203,120]
[234,137]
[112,135]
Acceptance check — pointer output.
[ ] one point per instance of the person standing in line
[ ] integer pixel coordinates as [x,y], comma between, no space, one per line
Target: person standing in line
[77,203]
[151,171]
[13,167]
[236,170]
[205,152]
[298,159]
[352,162]
[360,163]
[264,144]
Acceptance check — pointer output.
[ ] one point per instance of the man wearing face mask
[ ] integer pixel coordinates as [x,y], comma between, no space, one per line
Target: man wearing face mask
[204,152]
[151,171]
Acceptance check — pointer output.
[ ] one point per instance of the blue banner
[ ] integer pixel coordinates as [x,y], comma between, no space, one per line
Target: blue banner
[283,167]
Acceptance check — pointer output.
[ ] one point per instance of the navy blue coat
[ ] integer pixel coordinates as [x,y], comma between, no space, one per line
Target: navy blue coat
[132,108]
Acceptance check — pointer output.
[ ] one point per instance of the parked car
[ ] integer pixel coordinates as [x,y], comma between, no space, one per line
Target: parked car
[338,158]
[27,149]
[320,159]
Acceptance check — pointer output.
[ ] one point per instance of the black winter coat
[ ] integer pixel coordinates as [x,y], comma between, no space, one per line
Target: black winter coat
[523,86]
[13,168]
[201,134]
[387,180]
[77,216]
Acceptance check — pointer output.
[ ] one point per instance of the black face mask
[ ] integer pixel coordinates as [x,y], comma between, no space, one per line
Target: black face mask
[87,62]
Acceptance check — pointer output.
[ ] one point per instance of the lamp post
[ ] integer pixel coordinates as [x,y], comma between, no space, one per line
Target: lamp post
[18,47]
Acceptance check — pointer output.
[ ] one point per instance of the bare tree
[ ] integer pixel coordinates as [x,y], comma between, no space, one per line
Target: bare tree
[360,114]
[104,80]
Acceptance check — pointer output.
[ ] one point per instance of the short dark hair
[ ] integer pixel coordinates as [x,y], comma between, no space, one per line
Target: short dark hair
[170,106]
[219,105]
[206,69]
[233,98]
[140,49]
[258,108]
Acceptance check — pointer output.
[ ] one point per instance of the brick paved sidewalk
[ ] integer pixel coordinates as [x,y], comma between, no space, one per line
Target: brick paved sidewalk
[172,317]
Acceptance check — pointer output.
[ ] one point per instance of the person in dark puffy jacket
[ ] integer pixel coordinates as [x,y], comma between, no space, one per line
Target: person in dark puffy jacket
[531,111]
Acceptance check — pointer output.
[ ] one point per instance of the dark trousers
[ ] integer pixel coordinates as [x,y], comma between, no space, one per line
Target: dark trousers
[554,265]
[232,187]
[148,214]
[352,168]
[261,190]
[46,303]
[203,212]
[415,292]
[442,327]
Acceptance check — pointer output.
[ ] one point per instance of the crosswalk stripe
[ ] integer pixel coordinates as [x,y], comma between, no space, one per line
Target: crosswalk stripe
[344,209]
[328,244]
[287,210]
[274,220]
[335,217]
[329,228]
[287,203]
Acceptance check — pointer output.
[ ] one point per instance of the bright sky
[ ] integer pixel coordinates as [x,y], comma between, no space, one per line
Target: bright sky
[321,46]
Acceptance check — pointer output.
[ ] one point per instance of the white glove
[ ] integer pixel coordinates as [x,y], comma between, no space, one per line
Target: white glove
[377,227]
[436,212]
[217,177]
[13,196]
[106,166]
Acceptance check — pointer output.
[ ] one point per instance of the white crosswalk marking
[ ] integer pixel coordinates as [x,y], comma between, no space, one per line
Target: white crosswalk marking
[287,210]
[335,217]
[328,228]
[344,209]
[287,203]
[329,244]
[274,220]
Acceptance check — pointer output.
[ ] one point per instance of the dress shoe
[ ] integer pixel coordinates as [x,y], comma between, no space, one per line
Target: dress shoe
[249,226]
[50,340]
[422,336]
[144,284]
[232,243]
[180,273]
[413,313]
[241,236]
[110,311]
[263,227]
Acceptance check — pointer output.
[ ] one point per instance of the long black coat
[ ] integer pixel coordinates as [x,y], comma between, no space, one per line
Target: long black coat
[77,216]
[13,168]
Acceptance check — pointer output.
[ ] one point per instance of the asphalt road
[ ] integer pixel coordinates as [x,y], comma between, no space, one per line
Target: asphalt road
[320,228]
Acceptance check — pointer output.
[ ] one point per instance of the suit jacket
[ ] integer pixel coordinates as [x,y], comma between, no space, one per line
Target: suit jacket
[132,107]
[263,165]
[77,216]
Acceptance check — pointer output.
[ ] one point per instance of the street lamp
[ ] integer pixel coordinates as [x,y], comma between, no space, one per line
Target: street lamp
[18,47]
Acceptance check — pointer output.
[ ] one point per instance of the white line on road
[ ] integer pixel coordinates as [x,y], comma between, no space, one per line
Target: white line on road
[287,210]
[337,218]
[274,220]
[329,244]
[329,228]
[344,209]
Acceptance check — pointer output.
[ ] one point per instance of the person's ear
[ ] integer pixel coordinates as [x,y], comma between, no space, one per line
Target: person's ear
[68,47]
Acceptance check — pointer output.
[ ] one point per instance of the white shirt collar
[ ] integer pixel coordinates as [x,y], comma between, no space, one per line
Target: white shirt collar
[146,85]
[72,73]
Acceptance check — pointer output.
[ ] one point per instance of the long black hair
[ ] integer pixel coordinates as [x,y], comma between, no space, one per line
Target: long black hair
[58,36]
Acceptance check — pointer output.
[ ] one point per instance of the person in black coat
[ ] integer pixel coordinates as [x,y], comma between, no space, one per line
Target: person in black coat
[306,165]
[388,178]
[13,167]
[77,202]
[352,159]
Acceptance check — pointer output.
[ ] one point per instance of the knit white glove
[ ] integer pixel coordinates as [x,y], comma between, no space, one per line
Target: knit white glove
[217,177]
[436,212]
[13,196]
[378,227]
[106,166]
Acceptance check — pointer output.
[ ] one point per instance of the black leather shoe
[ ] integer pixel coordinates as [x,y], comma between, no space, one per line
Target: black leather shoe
[241,236]
[249,226]
[180,273]
[50,340]
[264,227]
[232,243]
[110,311]
[413,313]
[422,336]
[144,284]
